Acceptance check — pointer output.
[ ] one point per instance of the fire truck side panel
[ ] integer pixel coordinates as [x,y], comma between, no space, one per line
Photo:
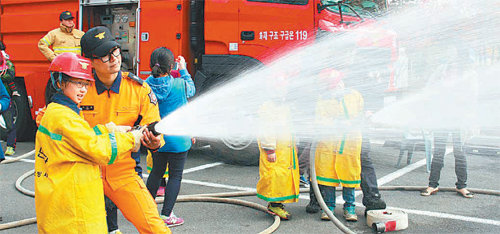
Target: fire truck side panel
[221,26]
[268,29]
[166,24]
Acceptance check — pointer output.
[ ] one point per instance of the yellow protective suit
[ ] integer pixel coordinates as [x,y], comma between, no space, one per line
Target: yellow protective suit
[279,181]
[61,40]
[69,195]
[337,157]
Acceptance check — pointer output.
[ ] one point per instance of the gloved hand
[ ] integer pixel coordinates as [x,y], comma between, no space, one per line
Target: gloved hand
[112,127]
[15,93]
[137,133]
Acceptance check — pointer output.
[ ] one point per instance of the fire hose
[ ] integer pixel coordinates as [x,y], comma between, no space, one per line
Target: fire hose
[208,197]
[222,197]
[376,227]
[18,158]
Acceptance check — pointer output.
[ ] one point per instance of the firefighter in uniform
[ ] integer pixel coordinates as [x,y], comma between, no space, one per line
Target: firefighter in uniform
[68,185]
[124,99]
[63,39]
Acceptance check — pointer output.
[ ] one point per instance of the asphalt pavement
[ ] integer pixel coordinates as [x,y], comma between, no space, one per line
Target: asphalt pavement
[445,212]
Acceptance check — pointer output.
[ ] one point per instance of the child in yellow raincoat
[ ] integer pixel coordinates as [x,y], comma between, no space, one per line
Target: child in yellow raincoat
[338,154]
[68,186]
[278,164]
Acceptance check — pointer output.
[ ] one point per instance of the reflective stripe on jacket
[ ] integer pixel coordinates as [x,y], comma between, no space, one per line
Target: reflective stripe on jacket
[68,186]
[61,41]
[279,181]
[338,156]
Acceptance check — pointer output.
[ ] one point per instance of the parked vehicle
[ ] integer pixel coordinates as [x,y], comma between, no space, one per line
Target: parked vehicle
[219,39]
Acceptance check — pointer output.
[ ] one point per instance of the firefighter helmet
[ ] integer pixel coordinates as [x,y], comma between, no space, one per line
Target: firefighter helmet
[72,65]
[332,76]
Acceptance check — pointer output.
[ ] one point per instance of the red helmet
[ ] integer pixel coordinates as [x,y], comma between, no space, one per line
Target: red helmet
[72,65]
[333,76]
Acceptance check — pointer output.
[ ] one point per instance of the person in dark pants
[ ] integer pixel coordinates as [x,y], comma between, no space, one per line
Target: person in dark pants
[172,93]
[371,196]
[440,140]
[175,163]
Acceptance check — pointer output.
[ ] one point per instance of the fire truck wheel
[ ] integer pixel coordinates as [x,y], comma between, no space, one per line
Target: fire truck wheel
[236,151]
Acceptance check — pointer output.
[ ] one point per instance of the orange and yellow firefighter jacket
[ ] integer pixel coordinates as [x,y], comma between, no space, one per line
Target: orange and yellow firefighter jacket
[61,40]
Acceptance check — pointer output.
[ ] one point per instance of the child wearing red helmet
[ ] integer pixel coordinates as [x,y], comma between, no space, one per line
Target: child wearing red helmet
[68,186]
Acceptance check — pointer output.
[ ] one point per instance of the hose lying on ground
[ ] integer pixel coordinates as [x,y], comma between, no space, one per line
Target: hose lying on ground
[341,226]
[319,197]
[215,197]
[18,158]
[220,197]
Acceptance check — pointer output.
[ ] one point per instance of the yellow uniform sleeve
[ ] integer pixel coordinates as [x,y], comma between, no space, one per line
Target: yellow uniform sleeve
[96,144]
[45,43]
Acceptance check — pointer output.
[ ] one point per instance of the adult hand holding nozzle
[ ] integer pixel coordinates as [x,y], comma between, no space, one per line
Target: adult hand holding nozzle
[151,138]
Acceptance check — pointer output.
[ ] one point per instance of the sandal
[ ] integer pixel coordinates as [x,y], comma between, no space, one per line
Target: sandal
[465,193]
[429,191]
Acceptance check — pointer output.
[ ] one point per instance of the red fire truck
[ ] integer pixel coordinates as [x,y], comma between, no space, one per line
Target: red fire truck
[218,38]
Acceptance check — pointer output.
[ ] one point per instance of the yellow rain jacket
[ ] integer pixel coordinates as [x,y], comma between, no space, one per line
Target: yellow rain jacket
[61,41]
[279,181]
[69,196]
[338,156]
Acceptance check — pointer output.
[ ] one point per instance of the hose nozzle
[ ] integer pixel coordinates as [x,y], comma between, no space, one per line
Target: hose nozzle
[151,128]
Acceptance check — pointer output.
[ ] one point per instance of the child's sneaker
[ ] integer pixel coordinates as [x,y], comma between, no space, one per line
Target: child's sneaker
[279,210]
[172,220]
[160,192]
[324,216]
[10,151]
[350,214]
[304,182]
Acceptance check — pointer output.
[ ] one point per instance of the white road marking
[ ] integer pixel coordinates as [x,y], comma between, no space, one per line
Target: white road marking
[202,167]
[216,185]
[410,211]
[450,216]
[193,169]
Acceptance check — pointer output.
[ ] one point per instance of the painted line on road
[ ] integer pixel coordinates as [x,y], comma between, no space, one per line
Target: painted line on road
[410,211]
[450,216]
[216,185]
[224,186]
[193,169]
[202,167]
[405,170]
[401,172]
